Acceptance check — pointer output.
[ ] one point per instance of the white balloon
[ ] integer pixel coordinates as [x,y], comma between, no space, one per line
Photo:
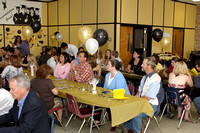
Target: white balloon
[166,34]
[92,46]
[59,37]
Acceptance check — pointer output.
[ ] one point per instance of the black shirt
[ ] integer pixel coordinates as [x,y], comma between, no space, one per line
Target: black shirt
[136,68]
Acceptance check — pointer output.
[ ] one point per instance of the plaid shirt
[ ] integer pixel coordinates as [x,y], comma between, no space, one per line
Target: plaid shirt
[83,73]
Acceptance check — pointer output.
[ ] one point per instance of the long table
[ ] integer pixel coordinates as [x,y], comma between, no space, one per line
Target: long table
[121,110]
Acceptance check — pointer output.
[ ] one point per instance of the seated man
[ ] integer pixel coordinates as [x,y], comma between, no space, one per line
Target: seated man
[149,88]
[6,100]
[28,113]
[83,72]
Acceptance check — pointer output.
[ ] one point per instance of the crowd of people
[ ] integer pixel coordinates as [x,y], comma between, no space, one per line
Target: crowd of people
[26,109]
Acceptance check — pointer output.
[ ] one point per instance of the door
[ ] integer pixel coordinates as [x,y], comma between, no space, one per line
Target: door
[126,41]
[177,47]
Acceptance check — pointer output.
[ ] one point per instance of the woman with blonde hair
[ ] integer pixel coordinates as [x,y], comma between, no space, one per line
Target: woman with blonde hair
[178,79]
[31,62]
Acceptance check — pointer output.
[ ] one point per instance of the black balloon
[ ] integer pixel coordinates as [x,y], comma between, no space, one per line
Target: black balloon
[19,32]
[36,26]
[56,33]
[101,36]
[7,29]
[157,34]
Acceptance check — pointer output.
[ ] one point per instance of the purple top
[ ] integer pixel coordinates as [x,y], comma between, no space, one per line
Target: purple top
[25,48]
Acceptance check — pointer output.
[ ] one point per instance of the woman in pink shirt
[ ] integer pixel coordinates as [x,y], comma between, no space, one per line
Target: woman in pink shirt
[63,67]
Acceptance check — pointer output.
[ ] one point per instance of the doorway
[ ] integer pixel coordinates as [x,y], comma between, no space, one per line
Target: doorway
[177,45]
[134,37]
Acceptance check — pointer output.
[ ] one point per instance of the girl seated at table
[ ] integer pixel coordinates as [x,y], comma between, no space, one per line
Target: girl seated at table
[134,65]
[46,89]
[63,67]
[178,79]
[107,56]
[14,68]
[31,62]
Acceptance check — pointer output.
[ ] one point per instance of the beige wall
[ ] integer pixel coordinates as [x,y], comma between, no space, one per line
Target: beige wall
[163,14]
[188,42]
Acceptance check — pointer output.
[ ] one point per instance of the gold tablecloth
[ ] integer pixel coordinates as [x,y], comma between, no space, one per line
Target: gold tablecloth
[121,110]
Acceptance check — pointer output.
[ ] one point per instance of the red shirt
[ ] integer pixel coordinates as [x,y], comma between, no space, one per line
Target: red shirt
[83,73]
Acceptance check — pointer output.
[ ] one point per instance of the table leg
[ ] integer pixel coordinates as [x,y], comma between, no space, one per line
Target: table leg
[92,119]
[65,106]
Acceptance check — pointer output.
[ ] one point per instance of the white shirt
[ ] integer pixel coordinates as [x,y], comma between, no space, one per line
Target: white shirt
[72,50]
[6,101]
[11,71]
[110,79]
[52,63]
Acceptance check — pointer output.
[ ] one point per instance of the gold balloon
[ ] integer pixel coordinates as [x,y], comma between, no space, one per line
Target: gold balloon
[84,33]
[53,37]
[27,32]
[165,42]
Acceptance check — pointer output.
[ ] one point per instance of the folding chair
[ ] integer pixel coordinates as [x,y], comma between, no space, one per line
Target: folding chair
[172,97]
[54,112]
[83,113]
[131,89]
[160,97]
[149,119]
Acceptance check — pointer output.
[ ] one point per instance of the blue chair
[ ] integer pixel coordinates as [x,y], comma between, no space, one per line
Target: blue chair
[51,122]
[172,97]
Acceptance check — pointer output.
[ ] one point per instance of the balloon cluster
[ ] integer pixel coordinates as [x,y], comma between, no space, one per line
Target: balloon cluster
[159,36]
[57,36]
[92,41]
[28,31]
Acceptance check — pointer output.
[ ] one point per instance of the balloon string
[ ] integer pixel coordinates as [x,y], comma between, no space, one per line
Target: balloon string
[82,12]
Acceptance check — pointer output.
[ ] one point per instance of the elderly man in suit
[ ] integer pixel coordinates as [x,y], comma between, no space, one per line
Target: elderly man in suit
[29,114]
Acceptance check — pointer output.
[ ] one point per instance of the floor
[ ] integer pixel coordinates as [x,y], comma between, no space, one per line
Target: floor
[167,125]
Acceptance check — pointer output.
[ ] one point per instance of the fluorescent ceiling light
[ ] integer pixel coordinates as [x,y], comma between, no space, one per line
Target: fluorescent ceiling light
[195,0]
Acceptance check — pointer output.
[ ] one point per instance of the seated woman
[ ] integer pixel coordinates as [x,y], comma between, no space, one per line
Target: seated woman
[11,70]
[115,79]
[95,67]
[31,62]
[99,57]
[4,63]
[63,67]
[158,65]
[134,65]
[46,89]
[173,63]
[178,79]
[17,42]
[107,56]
